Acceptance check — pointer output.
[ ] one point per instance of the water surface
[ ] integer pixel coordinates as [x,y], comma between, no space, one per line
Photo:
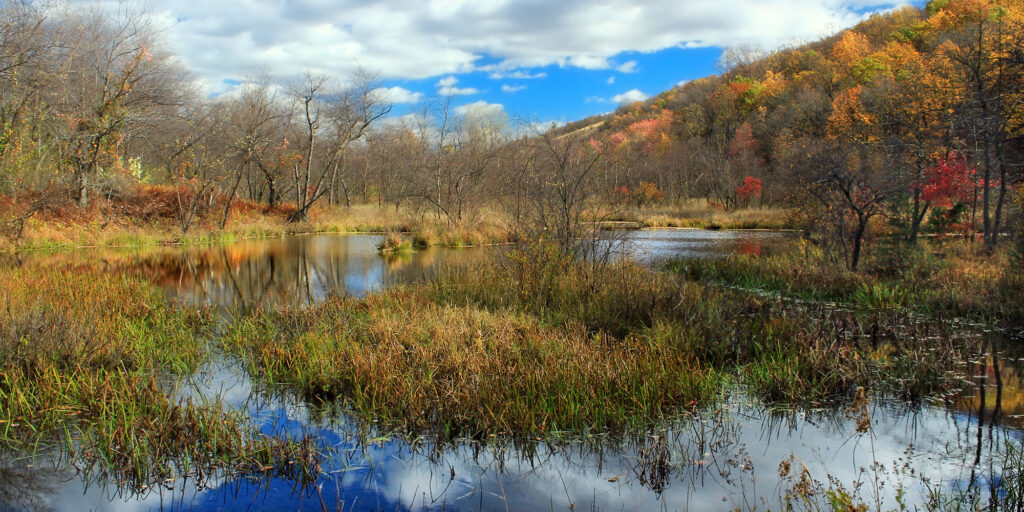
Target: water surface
[724,458]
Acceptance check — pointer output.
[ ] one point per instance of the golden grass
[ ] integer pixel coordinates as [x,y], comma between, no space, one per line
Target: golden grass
[93,229]
[85,358]
[422,366]
[698,213]
[545,343]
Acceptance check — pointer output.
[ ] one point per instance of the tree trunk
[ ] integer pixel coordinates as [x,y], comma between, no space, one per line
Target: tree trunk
[83,189]
[231,197]
[858,237]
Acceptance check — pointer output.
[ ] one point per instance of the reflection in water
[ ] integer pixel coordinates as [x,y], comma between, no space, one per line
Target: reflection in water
[659,245]
[293,271]
[305,270]
[721,459]
[724,458]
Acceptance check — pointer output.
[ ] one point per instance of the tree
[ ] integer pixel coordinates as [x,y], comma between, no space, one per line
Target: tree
[112,76]
[849,189]
[348,114]
[560,184]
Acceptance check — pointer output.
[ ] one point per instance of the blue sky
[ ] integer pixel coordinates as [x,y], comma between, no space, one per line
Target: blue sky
[539,60]
[563,93]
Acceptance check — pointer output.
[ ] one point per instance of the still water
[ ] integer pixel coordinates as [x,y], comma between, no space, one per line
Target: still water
[308,269]
[728,458]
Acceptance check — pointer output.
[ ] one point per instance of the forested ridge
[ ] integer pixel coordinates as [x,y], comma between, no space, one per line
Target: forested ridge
[910,117]
[910,122]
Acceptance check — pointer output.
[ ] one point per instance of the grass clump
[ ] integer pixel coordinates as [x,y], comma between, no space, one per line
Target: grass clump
[947,280]
[543,341]
[428,367]
[85,363]
[393,243]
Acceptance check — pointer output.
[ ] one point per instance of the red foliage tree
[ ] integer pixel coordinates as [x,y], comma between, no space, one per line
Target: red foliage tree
[948,181]
[751,187]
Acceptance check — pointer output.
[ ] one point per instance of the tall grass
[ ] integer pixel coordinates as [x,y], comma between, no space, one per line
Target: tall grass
[697,213]
[85,362]
[128,223]
[950,280]
[454,370]
[544,342]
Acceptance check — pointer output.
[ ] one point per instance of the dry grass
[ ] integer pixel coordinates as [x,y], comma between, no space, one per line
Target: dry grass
[949,279]
[125,222]
[699,213]
[457,370]
[84,361]
[543,343]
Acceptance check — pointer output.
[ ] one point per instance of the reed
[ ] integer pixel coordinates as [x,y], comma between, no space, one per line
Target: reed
[954,279]
[87,359]
[542,342]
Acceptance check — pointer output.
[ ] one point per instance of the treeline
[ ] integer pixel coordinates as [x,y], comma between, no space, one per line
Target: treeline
[914,118]
[95,111]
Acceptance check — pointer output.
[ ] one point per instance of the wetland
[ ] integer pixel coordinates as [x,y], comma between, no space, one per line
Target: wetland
[312,372]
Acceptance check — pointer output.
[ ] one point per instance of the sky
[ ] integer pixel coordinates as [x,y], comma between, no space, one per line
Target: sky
[538,60]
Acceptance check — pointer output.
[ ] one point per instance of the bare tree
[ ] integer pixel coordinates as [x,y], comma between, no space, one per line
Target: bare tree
[111,76]
[561,182]
[348,114]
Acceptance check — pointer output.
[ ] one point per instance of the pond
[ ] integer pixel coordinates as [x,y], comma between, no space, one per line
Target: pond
[303,270]
[740,454]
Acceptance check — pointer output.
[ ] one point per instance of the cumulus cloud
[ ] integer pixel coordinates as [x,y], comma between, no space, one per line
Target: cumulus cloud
[631,96]
[447,87]
[413,39]
[627,67]
[397,95]
[512,88]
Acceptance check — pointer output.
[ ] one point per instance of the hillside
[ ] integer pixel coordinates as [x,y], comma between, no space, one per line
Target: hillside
[856,127]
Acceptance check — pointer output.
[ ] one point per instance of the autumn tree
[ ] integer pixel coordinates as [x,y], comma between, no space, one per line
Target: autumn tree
[112,75]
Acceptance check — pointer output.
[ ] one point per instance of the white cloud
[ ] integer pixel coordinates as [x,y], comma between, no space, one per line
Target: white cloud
[479,107]
[610,80]
[397,95]
[631,96]
[627,67]
[512,88]
[517,75]
[413,39]
[447,87]
[682,83]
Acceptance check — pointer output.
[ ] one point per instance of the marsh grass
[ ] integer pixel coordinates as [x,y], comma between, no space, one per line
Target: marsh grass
[954,279]
[460,370]
[107,225]
[86,361]
[541,342]
[697,213]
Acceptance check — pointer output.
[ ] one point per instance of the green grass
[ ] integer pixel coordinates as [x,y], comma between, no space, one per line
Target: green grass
[542,343]
[86,358]
[949,280]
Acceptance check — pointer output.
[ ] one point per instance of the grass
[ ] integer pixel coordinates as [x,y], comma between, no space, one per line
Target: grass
[86,360]
[452,370]
[953,279]
[104,225]
[695,213]
[544,343]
